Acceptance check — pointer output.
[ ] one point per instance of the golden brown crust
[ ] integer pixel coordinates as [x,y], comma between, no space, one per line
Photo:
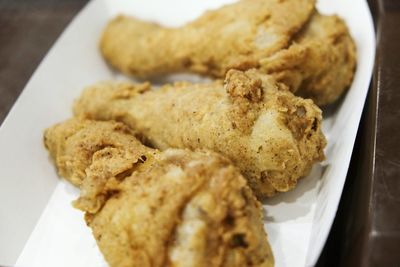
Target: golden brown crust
[313,54]
[245,93]
[274,140]
[320,63]
[175,208]
[81,148]
[210,44]
[71,144]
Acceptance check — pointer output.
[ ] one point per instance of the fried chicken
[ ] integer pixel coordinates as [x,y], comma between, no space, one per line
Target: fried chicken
[273,137]
[151,208]
[313,54]
[234,36]
[320,63]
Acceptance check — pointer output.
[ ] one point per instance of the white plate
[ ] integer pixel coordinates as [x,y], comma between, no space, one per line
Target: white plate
[38,225]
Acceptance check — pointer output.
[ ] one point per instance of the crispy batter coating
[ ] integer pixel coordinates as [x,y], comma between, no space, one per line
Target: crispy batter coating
[71,145]
[81,148]
[320,63]
[150,208]
[271,135]
[315,57]
[234,36]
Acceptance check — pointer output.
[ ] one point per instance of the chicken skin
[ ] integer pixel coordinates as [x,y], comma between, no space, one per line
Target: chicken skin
[273,137]
[319,64]
[313,54]
[234,36]
[149,208]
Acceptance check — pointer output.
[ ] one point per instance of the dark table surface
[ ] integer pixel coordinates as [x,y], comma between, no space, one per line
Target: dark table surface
[366,231]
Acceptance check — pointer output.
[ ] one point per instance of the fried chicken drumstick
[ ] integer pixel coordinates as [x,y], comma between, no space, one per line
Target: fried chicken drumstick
[151,208]
[272,136]
[313,54]
[320,62]
[234,36]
